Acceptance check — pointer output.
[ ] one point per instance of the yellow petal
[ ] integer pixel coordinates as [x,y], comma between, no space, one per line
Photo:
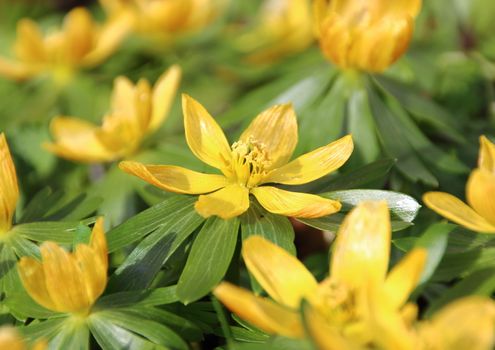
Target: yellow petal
[109,39]
[466,323]
[228,202]
[95,257]
[76,139]
[34,281]
[79,33]
[123,97]
[276,129]
[9,190]
[313,165]
[325,336]
[11,340]
[143,103]
[404,277]
[163,96]
[486,159]
[260,312]
[480,193]
[174,178]
[204,137]
[280,274]
[400,8]
[16,70]
[296,204]
[29,42]
[362,247]
[456,210]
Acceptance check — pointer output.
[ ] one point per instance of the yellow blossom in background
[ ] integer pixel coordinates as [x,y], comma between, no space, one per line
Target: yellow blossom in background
[365,35]
[68,282]
[359,305]
[9,190]
[260,156]
[166,18]
[11,340]
[79,43]
[479,215]
[136,111]
[284,27]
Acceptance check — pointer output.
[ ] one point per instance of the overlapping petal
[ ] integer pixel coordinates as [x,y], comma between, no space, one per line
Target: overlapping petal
[163,96]
[228,202]
[313,165]
[480,193]
[280,274]
[263,313]
[9,190]
[486,159]
[296,204]
[174,178]
[456,210]
[276,129]
[203,135]
[362,247]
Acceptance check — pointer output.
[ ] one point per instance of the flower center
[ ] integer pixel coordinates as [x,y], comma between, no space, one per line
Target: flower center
[249,163]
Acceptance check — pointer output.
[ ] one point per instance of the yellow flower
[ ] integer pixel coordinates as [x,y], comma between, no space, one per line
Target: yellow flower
[260,156]
[165,18]
[9,190]
[10,340]
[80,43]
[479,215]
[366,35]
[285,27]
[135,112]
[358,278]
[68,282]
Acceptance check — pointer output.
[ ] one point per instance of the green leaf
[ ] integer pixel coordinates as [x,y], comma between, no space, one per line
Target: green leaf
[150,297]
[72,335]
[481,282]
[209,258]
[8,273]
[43,330]
[140,225]
[82,235]
[60,232]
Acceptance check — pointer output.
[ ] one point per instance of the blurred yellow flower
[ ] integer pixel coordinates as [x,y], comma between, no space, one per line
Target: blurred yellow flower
[11,340]
[359,306]
[166,18]
[358,278]
[366,35]
[80,43]
[479,215]
[260,156]
[136,111]
[68,282]
[284,27]
[9,190]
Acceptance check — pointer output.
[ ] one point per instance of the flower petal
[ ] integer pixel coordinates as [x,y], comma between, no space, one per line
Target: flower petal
[404,277]
[313,165]
[79,29]
[486,159]
[296,204]
[203,135]
[228,202]
[76,139]
[9,190]
[122,99]
[16,70]
[456,210]
[276,129]
[362,247]
[34,281]
[466,323]
[399,8]
[174,178]
[28,46]
[163,96]
[480,193]
[261,312]
[280,274]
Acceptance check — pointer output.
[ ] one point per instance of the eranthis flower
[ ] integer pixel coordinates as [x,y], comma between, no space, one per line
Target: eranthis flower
[365,35]
[341,303]
[166,18]
[136,111]
[285,27]
[9,190]
[261,156]
[11,340]
[80,43]
[68,282]
[479,215]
